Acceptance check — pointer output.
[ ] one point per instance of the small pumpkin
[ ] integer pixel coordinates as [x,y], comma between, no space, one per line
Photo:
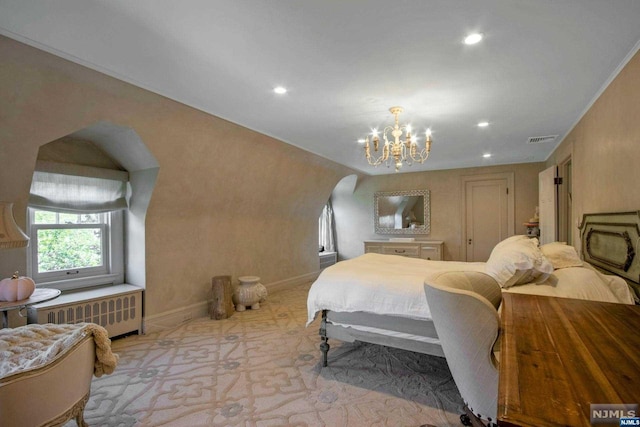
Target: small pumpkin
[16,288]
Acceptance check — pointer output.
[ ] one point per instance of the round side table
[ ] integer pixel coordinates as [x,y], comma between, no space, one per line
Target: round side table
[39,295]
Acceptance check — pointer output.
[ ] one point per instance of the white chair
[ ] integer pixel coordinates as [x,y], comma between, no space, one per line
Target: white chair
[464,307]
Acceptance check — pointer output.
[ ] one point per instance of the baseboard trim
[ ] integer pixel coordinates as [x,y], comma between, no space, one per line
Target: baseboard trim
[172,318]
[282,285]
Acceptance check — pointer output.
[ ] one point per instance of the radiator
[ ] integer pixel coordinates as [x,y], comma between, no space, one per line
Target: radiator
[116,308]
[327,259]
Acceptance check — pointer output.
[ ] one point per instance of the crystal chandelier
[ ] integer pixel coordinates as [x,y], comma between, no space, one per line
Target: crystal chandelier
[399,150]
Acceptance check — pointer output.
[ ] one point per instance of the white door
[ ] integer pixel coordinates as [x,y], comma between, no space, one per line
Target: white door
[487,216]
[548,201]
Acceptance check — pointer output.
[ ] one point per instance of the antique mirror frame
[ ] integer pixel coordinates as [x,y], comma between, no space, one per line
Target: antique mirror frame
[425,228]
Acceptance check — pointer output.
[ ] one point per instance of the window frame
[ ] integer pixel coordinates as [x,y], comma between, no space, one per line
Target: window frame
[110,273]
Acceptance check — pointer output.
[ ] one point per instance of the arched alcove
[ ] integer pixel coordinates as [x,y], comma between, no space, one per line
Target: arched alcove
[341,213]
[108,146]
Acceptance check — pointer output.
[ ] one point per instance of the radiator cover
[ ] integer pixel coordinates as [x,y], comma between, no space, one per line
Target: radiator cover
[116,308]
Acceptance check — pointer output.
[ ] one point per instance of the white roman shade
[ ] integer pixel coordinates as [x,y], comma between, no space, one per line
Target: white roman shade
[69,188]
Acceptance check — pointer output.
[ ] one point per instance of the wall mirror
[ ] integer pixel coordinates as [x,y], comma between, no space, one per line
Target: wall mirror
[402,212]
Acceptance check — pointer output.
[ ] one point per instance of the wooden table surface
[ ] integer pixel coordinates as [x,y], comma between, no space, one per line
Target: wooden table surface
[559,355]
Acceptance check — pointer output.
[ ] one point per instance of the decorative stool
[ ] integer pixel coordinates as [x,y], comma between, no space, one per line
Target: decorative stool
[250,293]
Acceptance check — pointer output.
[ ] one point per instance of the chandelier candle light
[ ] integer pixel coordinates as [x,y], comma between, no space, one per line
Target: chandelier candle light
[406,150]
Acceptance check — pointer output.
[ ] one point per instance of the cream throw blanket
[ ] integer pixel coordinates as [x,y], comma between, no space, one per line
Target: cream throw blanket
[32,346]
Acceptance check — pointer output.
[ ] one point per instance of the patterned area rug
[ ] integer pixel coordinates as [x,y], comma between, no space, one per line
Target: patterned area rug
[262,368]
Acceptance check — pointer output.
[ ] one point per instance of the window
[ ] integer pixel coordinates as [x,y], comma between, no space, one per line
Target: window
[326,238]
[75,249]
[76,225]
[67,245]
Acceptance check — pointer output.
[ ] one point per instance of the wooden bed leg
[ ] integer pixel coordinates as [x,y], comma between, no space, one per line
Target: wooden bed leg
[324,345]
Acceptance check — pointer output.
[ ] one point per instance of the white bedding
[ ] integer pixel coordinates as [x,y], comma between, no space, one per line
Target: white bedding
[381,284]
[580,283]
[393,285]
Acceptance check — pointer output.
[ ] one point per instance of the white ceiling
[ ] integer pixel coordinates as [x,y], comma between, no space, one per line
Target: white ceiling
[540,66]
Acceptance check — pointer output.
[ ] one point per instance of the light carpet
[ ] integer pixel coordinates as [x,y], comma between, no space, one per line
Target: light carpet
[263,368]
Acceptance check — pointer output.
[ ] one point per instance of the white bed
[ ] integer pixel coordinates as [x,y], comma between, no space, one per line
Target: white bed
[380,298]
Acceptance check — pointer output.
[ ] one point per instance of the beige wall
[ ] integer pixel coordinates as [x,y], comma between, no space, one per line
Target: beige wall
[605,149]
[354,208]
[227,200]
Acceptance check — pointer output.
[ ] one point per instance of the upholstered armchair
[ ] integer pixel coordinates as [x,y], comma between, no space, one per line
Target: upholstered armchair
[46,372]
[464,310]
[51,394]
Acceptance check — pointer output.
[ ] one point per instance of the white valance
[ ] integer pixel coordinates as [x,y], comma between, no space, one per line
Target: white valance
[72,193]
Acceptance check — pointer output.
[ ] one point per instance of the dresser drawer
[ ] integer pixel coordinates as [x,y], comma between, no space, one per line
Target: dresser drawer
[425,249]
[431,252]
[375,249]
[405,250]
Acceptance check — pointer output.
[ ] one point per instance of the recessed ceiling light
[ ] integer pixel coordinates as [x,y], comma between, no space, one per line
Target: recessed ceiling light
[483,124]
[486,155]
[473,38]
[361,141]
[280,90]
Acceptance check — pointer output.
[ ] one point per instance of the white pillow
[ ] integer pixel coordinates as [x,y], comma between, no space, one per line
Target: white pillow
[561,255]
[510,240]
[517,262]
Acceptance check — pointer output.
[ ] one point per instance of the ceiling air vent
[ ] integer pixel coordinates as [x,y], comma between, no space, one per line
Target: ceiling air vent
[541,139]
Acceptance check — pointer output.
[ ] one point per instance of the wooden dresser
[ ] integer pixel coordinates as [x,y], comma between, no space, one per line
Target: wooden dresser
[425,249]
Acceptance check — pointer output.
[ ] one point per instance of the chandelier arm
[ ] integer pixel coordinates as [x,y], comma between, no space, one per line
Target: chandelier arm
[406,157]
[375,160]
[384,133]
[421,156]
[382,158]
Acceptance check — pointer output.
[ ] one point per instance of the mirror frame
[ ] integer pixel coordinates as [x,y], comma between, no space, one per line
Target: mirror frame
[423,229]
